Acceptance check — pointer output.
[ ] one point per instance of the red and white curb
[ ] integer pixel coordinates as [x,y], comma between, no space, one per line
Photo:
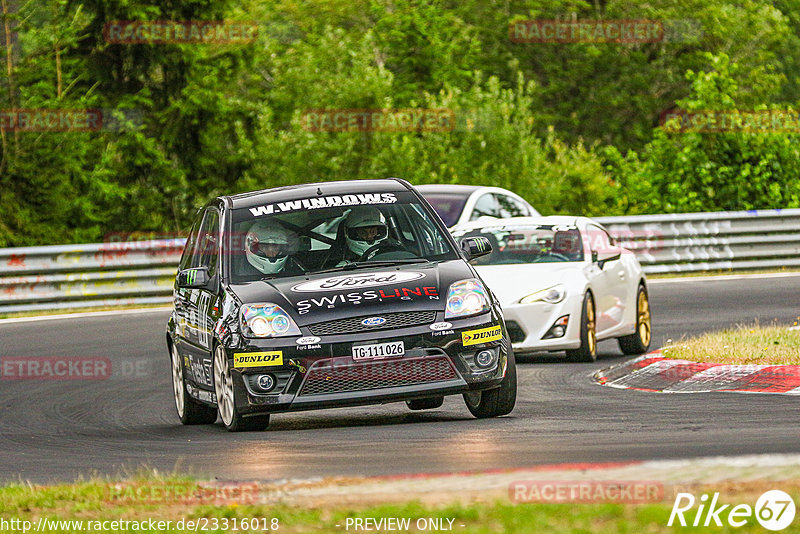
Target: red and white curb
[653,372]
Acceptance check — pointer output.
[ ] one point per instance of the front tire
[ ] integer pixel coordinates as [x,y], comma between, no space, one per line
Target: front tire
[587,352]
[223,385]
[498,401]
[191,411]
[639,342]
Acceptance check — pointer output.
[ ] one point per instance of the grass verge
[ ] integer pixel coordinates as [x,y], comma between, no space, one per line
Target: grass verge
[105,501]
[742,345]
[723,272]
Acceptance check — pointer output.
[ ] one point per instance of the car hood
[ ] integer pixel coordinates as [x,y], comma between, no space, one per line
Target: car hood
[379,290]
[512,282]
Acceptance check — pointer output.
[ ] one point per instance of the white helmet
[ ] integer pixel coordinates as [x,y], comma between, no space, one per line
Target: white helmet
[364,227]
[267,247]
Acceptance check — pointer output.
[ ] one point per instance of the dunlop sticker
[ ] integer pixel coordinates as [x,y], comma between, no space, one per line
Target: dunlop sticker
[484,335]
[257,359]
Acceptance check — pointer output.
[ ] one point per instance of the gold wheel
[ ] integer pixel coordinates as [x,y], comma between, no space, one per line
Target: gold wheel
[643,319]
[591,336]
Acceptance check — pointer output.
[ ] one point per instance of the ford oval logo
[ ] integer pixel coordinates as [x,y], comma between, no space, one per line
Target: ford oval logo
[373,321]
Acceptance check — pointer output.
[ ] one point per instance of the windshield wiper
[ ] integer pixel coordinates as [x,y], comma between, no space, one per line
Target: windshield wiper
[352,265]
[346,267]
[389,262]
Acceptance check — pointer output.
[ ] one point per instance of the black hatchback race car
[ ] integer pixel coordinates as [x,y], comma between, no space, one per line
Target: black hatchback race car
[332,294]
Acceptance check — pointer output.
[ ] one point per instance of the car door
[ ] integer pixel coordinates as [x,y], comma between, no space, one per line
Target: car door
[181,295]
[609,281]
[200,302]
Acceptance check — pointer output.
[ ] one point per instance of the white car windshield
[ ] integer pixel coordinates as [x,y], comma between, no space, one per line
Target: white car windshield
[529,244]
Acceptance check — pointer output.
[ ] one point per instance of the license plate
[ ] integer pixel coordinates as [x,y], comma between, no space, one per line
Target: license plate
[392,349]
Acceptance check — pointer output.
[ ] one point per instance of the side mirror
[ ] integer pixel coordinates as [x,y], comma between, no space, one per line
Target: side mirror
[602,258]
[196,278]
[475,247]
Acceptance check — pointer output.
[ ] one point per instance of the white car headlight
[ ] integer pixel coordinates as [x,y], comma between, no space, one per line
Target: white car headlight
[551,295]
[267,320]
[465,298]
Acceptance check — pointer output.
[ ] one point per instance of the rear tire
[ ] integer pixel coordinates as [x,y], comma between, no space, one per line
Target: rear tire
[191,411]
[639,342]
[223,385]
[498,401]
[587,352]
[425,404]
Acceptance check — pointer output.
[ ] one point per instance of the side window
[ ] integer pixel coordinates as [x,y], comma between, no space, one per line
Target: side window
[599,240]
[486,206]
[191,241]
[511,207]
[206,251]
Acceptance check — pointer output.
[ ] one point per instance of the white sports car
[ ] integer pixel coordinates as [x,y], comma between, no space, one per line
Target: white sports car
[563,284]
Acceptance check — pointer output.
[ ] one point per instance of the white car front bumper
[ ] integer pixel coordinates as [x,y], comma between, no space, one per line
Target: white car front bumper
[528,323]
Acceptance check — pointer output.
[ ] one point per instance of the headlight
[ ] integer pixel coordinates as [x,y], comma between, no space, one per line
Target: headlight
[551,295]
[466,297]
[267,320]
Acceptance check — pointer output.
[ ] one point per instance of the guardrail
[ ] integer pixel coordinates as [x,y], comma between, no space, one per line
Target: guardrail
[143,272]
[79,276]
[692,242]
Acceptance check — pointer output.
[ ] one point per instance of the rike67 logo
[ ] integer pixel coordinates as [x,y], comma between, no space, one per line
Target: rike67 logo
[774,510]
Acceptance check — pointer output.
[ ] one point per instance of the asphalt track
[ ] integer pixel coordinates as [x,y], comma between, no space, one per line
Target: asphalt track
[60,430]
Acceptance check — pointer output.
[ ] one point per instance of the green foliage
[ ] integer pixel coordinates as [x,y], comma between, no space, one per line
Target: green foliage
[694,171]
[571,127]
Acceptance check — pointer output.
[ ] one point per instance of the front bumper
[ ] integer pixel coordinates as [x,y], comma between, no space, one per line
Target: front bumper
[528,324]
[324,374]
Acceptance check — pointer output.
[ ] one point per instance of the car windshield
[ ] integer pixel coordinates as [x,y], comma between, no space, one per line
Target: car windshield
[332,233]
[529,244]
[449,207]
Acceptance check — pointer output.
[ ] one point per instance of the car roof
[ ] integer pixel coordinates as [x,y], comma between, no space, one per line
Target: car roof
[311,190]
[453,189]
[569,220]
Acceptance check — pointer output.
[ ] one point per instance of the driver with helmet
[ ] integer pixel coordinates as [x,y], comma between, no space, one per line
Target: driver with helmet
[364,228]
[268,248]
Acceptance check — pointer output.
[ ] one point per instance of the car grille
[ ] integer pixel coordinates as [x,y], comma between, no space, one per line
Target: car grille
[353,324]
[515,332]
[327,378]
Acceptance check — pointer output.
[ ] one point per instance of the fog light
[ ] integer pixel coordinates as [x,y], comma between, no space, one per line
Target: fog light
[265,382]
[558,329]
[484,358]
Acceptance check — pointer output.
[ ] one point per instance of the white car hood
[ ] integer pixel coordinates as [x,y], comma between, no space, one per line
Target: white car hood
[512,282]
